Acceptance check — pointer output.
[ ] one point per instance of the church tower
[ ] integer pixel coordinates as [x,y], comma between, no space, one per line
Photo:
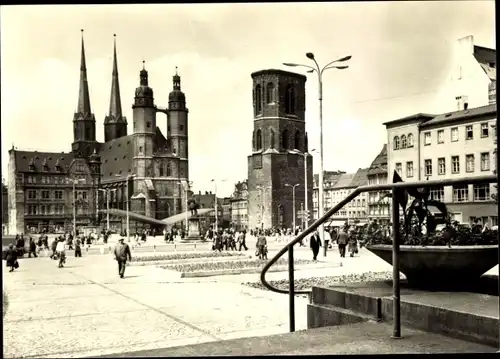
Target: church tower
[84,141]
[115,124]
[177,125]
[144,117]
[279,150]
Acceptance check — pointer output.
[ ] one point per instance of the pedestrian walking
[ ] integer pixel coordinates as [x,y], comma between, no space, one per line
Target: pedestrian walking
[261,246]
[61,252]
[53,246]
[78,248]
[122,252]
[315,243]
[32,248]
[11,258]
[342,239]
[242,240]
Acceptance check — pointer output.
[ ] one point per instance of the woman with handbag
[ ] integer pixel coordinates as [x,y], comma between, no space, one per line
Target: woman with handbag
[11,258]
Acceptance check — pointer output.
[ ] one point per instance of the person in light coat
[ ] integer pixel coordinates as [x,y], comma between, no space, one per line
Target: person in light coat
[61,252]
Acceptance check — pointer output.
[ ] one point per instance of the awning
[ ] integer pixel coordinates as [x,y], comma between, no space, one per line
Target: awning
[145,219]
[182,216]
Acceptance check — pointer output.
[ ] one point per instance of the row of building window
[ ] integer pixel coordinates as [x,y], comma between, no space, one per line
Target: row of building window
[271,97]
[350,214]
[54,180]
[469,134]
[403,142]
[354,203]
[455,165]
[284,140]
[49,209]
[481,192]
[57,194]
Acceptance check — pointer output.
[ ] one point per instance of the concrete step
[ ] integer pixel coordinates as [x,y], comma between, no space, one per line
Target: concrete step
[462,315]
[362,304]
[326,315]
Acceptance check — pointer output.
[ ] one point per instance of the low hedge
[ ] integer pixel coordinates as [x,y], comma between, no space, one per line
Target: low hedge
[213,266]
[189,255]
[308,283]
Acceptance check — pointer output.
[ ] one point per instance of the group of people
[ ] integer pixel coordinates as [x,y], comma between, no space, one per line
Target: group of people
[170,235]
[226,239]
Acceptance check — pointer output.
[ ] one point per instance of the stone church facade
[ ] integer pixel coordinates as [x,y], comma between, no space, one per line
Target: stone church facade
[153,167]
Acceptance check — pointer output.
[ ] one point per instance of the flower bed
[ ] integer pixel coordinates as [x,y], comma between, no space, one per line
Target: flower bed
[230,265]
[195,255]
[308,283]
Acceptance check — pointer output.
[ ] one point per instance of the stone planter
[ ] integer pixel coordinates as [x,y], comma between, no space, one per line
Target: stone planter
[441,266]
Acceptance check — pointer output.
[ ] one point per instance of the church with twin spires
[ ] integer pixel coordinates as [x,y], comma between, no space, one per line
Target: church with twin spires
[151,164]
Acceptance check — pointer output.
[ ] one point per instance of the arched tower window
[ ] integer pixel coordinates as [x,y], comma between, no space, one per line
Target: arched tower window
[88,133]
[258,140]
[254,142]
[162,172]
[396,142]
[403,141]
[410,140]
[284,140]
[169,170]
[272,142]
[258,99]
[270,93]
[290,99]
[297,141]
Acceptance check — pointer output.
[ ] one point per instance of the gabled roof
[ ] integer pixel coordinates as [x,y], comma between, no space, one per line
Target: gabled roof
[360,178]
[487,58]
[329,176]
[344,180]
[462,115]
[116,158]
[379,164]
[51,159]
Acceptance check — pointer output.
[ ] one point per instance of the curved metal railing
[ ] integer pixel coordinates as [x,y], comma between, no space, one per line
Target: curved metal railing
[391,186]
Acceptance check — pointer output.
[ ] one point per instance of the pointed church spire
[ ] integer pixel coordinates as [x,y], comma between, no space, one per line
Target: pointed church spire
[83,95]
[115,104]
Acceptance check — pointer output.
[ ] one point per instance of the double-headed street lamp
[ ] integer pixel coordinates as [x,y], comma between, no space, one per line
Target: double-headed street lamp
[75,181]
[320,71]
[306,196]
[216,204]
[108,192]
[187,185]
[293,199]
[127,203]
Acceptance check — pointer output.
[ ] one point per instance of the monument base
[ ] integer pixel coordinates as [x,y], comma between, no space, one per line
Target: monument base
[194,234]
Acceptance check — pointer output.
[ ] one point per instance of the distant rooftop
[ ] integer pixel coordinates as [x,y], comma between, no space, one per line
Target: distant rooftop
[462,114]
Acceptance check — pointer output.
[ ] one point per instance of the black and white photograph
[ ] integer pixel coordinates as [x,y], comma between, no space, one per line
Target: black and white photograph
[247,179]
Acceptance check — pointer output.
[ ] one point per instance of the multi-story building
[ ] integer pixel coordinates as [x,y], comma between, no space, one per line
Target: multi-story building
[279,149]
[337,186]
[450,145]
[207,200]
[378,202]
[146,163]
[239,206]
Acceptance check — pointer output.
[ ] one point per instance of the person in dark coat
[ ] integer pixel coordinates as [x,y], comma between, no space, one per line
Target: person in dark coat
[11,258]
[122,252]
[262,246]
[342,240]
[315,243]
[32,248]
[78,248]
[53,247]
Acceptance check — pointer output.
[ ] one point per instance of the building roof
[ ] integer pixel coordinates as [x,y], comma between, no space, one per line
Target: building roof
[379,164]
[160,142]
[462,115]
[344,180]
[360,178]
[411,118]
[23,159]
[116,158]
[278,72]
[328,176]
[487,59]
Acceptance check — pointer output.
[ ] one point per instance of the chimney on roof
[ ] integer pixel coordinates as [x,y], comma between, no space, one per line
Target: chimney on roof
[462,102]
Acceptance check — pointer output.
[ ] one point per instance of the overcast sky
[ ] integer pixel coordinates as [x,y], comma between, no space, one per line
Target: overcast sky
[400,59]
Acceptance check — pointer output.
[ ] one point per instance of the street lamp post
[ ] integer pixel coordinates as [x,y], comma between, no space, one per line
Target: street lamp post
[293,199]
[108,192]
[320,71]
[306,195]
[74,181]
[127,203]
[186,185]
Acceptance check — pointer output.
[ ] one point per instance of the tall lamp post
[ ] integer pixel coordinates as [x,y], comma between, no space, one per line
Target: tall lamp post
[216,204]
[319,72]
[186,185]
[306,195]
[293,199]
[74,181]
[108,192]
[127,200]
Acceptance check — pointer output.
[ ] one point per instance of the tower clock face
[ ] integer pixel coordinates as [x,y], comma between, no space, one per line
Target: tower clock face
[175,105]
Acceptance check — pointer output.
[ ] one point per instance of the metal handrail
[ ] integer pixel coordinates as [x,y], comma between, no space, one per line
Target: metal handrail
[369,188]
